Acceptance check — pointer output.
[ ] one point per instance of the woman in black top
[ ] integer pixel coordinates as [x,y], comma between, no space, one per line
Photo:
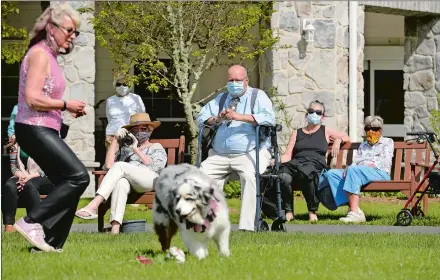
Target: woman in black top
[308,146]
[27,183]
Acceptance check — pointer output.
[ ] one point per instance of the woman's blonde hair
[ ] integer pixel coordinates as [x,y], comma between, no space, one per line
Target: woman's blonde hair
[55,15]
[118,77]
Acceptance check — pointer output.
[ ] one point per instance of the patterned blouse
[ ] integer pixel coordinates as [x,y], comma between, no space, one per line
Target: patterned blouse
[380,154]
[156,152]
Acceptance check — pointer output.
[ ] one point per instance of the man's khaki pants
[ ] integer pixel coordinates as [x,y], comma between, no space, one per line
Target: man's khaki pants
[219,167]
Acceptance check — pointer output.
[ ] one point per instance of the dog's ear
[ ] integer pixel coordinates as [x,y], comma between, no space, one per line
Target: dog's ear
[206,195]
[173,193]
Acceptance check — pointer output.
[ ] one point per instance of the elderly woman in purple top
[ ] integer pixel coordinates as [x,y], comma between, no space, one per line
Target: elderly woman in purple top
[37,126]
[372,163]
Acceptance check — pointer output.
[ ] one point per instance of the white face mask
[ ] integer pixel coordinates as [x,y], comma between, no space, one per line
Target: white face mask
[122,90]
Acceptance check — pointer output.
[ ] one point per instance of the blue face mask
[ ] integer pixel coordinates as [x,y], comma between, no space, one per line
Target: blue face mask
[235,89]
[314,118]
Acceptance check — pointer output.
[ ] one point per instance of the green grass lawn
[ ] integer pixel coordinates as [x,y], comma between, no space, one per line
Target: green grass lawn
[379,211]
[254,256]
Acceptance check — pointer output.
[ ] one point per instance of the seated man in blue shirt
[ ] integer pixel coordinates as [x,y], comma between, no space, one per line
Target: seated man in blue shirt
[234,144]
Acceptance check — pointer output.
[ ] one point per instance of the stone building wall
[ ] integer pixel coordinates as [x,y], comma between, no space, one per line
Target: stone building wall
[303,71]
[421,71]
[79,72]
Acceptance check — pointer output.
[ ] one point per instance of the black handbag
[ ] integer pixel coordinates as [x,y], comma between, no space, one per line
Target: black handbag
[325,195]
[208,134]
[64,130]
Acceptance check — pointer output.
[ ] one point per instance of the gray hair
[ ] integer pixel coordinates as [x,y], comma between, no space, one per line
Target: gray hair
[373,121]
[318,103]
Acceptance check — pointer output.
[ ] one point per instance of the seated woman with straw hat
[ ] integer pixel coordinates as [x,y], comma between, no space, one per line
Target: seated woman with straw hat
[135,166]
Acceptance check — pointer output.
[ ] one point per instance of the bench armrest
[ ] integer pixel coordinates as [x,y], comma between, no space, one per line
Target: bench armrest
[99,172]
[423,165]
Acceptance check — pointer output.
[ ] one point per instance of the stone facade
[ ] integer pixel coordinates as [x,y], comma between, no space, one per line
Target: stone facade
[79,72]
[421,71]
[407,8]
[303,71]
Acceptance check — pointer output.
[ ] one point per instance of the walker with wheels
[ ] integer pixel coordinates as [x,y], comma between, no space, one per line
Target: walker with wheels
[406,215]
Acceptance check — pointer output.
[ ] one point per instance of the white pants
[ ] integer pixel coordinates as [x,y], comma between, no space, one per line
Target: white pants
[119,181]
[219,167]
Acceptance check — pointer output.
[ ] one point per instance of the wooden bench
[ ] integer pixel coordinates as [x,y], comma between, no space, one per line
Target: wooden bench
[408,161]
[175,149]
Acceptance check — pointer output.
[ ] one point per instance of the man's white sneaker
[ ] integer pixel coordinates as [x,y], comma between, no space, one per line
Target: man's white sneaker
[354,217]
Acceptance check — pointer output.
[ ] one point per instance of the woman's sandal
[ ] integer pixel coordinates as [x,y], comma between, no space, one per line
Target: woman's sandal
[91,215]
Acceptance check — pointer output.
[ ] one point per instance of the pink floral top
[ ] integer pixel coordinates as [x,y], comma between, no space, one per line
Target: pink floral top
[54,86]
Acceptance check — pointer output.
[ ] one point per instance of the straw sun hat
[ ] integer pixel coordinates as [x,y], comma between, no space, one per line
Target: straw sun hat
[141,119]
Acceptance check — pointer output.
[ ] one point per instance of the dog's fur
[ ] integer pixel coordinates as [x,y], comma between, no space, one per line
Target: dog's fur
[183,194]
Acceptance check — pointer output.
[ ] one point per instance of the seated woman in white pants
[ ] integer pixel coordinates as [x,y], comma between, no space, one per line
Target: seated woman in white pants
[135,166]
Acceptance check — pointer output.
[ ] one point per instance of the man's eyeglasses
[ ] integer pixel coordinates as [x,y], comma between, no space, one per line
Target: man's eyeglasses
[121,84]
[70,31]
[236,80]
[318,112]
[368,128]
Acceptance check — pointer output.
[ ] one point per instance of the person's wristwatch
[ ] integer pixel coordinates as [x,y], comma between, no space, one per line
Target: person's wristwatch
[65,106]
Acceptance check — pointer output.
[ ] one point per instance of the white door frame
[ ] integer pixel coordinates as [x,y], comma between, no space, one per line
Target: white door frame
[389,130]
[384,58]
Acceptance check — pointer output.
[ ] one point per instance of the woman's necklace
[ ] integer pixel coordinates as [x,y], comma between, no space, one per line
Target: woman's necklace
[310,132]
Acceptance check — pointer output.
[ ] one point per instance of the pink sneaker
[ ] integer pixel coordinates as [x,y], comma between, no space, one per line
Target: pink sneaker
[34,233]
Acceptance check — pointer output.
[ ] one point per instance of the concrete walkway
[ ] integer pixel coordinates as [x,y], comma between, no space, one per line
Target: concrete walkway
[329,229]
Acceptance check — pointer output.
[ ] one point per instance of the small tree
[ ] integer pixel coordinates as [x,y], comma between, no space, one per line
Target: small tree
[14,40]
[435,120]
[283,117]
[197,36]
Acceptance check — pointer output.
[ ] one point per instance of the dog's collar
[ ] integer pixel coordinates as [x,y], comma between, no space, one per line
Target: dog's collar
[213,208]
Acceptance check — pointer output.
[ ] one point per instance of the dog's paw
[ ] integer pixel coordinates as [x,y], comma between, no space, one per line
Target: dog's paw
[177,254]
[201,253]
[225,253]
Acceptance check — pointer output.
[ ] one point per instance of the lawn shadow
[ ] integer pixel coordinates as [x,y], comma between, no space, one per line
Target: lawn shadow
[325,216]
[373,217]
[334,217]
[150,253]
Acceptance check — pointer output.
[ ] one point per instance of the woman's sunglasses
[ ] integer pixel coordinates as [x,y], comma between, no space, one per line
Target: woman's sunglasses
[142,128]
[367,128]
[318,112]
[69,31]
[121,84]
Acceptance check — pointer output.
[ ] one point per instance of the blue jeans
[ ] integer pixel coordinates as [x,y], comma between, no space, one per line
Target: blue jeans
[356,177]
